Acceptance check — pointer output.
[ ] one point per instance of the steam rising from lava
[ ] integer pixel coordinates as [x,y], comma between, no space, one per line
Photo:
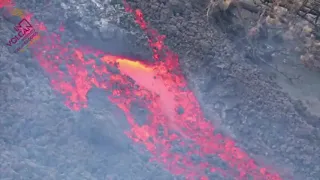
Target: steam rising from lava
[175,116]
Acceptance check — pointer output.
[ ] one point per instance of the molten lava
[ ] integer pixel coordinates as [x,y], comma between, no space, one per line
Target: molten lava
[175,117]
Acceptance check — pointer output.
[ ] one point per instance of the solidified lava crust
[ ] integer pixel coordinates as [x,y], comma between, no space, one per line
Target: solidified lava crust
[272,126]
[162,89]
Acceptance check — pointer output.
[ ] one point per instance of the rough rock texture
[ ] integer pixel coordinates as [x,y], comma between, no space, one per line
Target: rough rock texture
[41,139]
[265,120]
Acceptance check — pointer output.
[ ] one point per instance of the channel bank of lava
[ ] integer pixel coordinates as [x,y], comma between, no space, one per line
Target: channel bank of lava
[175,115]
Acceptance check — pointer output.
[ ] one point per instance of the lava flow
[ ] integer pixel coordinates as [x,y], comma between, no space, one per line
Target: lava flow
[175,117]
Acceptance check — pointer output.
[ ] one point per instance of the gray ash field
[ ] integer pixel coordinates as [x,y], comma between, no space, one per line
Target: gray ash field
[40,138]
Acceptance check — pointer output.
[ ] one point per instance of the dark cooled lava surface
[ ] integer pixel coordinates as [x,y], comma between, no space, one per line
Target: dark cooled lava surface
[263,119]
[41,138]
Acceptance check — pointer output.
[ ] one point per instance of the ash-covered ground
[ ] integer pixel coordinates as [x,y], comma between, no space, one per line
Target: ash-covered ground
[40,138]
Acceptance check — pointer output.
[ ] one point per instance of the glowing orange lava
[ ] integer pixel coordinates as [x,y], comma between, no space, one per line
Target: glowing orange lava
[175,116]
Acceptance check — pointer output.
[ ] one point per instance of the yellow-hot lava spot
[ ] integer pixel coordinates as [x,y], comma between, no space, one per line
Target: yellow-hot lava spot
[9,5]
[161,90]
[133,65]
[148,78]
[143,75]
[17,12]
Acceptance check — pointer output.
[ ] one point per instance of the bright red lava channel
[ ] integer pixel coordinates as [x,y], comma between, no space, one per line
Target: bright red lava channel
[175,117]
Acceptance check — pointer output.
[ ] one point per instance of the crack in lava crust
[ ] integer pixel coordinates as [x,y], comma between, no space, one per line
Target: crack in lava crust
[175,115]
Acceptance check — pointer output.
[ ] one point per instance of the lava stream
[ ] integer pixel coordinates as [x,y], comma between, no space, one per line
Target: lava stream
[175,114]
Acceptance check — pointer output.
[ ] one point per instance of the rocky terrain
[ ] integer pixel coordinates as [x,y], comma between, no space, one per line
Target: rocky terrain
[254,106]
[275,121]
